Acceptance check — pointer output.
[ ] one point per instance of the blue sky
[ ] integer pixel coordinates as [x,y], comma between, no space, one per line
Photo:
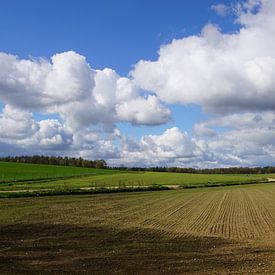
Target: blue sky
[191,94]
[114,34]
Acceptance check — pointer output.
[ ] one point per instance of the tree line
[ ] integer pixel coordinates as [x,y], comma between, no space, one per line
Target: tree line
[229,170]
[101,163]
[66,161]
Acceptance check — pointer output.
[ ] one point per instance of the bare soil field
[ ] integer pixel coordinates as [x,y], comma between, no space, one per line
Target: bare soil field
[229,230]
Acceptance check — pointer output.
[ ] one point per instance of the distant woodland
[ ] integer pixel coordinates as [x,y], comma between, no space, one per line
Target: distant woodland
[101,164]
[65,161]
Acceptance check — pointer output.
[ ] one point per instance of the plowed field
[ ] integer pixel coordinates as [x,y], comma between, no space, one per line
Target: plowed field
[229,230]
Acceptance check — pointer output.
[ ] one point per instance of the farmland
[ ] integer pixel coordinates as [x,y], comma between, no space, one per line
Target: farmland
[10,171]
[228,228]
[22,178]
[216,230]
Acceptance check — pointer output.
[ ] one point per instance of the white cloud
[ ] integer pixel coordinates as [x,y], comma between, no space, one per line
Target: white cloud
[51,135]
[16,124]
[38,83]
[221,72]
[221,9]
[70,78]
[146,111]
[249,140]
[69,87]
[246,147]
[19,128]
[239,121]
[201,129]
[246,139]
[173,147]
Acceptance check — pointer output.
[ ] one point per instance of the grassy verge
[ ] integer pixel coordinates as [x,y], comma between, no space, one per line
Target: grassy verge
[57,192]
[113,189]
[221,184]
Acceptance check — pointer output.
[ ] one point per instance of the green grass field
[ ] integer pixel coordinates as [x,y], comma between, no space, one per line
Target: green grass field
[220,230]
[17,177]
[164,178]
[10,171]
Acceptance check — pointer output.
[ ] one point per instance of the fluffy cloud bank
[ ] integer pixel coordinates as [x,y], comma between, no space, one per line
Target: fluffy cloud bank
[246,139]
[69,86]
[230,75]
[221,72]
[19,128]
[172,147]
[86,102]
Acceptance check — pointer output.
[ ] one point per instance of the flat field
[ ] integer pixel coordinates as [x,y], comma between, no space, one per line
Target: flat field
[17,177]
[219,230]
[12,171]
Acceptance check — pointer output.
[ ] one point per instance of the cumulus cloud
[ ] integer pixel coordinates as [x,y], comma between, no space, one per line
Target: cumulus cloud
[19,128]
[249,140]
[246,147]
[88,103]
[146,111]
[38,83]
[81,95]
[221,9]
[222,72]
[51,135]
[16,124]
[201,129]
[246,139]
[248,120]
[172,147]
